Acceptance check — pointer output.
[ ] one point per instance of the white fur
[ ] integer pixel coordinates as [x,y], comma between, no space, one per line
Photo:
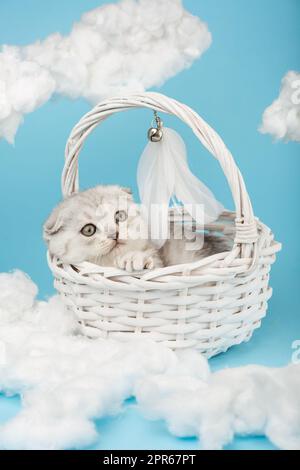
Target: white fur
[132,251]
[129,247]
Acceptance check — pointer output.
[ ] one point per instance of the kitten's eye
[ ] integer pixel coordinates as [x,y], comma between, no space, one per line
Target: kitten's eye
[88,230]
[120,216]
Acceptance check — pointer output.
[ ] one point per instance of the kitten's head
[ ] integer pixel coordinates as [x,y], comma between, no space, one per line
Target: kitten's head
[90,224]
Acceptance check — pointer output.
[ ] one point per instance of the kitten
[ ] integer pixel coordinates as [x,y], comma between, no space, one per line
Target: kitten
[104,226]
[101,225]
[185,245]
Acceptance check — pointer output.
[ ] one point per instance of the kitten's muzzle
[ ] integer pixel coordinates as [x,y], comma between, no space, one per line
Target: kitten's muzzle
[113,236]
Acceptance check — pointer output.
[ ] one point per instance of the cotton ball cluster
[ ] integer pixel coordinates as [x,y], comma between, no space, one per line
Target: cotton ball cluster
[24,86]
[28,431]
[282,118]
[52,315]
[17,295]
[251,400]
[264,401]
[128,46]
[67,380]
[177,395]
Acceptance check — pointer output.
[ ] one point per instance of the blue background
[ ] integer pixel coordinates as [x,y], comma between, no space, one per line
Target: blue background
[254,44]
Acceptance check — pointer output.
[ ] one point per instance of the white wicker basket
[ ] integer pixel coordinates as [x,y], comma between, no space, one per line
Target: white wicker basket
[210,304]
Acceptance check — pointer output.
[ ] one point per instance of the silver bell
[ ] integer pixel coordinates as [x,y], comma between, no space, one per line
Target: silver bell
[155,134]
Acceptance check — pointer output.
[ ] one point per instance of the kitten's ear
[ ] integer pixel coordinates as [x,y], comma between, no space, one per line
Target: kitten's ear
[53,224]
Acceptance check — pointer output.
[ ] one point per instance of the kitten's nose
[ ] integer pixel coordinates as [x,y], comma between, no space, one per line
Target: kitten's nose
[113,235]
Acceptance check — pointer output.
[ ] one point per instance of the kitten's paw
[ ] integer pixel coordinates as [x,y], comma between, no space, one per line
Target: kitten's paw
[137,261]
[153,262]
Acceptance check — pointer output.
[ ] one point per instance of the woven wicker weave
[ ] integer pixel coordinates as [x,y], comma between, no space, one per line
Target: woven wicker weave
[210,304]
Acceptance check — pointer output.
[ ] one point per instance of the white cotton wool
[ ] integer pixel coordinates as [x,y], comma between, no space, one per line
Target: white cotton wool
[176,395]
[5,106]
[29,430]
[122,47]
[24,87]
[66,381]
[52,315]
[17,294]
[252,400]
[10,125]
[282,118]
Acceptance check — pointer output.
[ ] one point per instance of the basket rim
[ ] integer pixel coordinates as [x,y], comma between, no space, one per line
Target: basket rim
[228,263]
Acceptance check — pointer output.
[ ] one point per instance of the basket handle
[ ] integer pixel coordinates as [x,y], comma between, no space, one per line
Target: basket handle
[246,226]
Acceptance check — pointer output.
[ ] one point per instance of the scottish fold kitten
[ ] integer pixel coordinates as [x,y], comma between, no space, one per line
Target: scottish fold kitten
[101,225]
[104,226]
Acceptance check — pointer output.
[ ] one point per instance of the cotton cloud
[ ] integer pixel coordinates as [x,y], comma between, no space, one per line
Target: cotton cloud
[66,381]
[251,400]
[130,45]
[282,118]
